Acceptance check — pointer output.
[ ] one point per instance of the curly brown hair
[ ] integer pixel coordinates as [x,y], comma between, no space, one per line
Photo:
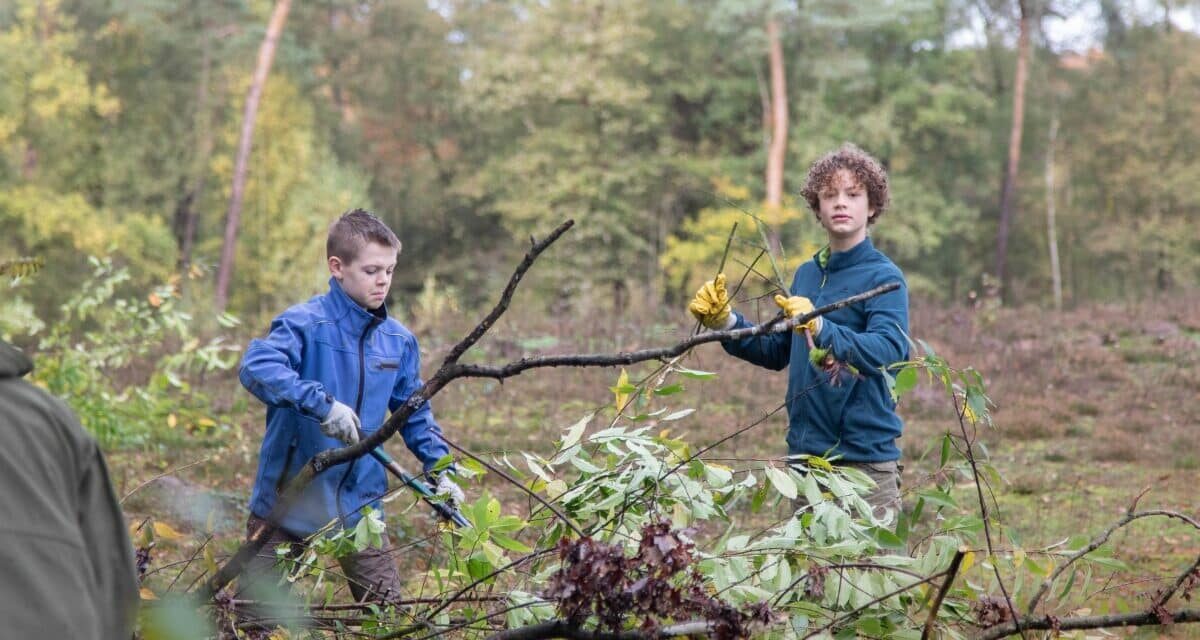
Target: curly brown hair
[864,167]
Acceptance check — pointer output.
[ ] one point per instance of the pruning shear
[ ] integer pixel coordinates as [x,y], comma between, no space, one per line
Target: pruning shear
[427,494]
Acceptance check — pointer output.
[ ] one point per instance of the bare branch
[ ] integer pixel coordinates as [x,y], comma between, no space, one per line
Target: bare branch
[1099,541]
[565,629]
[1143,619]
[777,325]
[951,573]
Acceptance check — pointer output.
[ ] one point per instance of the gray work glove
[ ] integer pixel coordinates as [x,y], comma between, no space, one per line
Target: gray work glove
[447,488]
[341,423]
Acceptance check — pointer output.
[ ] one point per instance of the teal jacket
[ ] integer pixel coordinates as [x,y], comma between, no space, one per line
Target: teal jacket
[852,417]
[66,565]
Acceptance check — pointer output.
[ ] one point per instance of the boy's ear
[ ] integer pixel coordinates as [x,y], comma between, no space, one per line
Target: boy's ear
[335,267]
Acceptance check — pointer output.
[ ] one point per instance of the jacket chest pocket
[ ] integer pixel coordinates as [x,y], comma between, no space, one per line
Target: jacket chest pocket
[384,364]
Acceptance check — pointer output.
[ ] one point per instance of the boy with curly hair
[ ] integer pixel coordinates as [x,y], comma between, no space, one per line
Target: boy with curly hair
[849,417]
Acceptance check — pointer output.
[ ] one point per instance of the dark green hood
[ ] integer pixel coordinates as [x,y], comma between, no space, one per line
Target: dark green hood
[13,363]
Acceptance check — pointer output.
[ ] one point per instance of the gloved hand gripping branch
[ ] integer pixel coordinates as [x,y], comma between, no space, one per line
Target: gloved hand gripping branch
[711,305]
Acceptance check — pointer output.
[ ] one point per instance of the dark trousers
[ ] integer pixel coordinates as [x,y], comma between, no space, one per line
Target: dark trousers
[371,573]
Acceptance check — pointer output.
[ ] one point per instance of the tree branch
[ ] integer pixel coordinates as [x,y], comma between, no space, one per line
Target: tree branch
[1099,541]
[565,629]
[951,573]
[777,325]
[1143,619]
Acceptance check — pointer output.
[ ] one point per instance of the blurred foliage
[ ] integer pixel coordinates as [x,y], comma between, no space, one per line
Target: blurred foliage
[130,367]
[470,125]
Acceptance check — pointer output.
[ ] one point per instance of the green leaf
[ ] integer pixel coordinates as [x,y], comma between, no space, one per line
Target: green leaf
[760,496]
[683,413]
[946,448]
[906,380]
[886,539]
[576,431]
[870,626]
[782,482]
[939,498]
[694,374]
[668,390]
[1108,563]
[510,543]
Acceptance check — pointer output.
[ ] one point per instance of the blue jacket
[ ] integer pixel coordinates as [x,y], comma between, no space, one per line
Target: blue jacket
[855,418]
[327,348]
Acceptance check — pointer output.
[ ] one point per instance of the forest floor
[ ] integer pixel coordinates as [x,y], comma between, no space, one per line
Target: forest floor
[1095,409]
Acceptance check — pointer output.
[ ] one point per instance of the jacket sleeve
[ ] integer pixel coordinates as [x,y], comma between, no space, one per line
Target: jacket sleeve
[772,351]
[102,525]
[421,433]
[269,370]
[884,341]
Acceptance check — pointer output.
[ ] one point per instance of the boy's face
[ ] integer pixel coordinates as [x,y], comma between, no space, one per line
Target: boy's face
[844,210]
[367,279]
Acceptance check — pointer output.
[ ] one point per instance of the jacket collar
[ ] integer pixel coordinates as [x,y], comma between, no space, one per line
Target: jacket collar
[838,260]
[349,313]
[13,363]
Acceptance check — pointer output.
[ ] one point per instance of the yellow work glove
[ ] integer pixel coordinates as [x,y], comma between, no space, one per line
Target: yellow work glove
[711,304]
[798,306]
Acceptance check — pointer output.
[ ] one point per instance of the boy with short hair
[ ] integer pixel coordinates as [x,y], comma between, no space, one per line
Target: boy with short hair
[330,369]
[853,417]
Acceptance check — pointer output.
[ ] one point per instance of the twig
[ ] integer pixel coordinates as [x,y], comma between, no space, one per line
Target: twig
[983,511]
[1143,619]
[1098,542]
[565,629]
[162,475]
[513,481]
[951,573]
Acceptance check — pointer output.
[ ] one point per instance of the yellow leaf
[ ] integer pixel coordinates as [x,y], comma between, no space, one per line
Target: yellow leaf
[154,299]
[172,420]
[969,414]
[819,463]
[166,532]
[664,433]
[148,594]
[622,398]
[968,561]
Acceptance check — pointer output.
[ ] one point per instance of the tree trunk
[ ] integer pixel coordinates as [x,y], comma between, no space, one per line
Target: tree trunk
[1008,191]
[779,128]
[186,213]
[1051,232]
[266,55]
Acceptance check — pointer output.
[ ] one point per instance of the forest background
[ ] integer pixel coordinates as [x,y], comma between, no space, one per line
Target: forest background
[1044,160]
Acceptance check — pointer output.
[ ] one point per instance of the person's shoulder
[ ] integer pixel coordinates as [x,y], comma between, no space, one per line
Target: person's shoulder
[37,406]
[883,270]
[306,312]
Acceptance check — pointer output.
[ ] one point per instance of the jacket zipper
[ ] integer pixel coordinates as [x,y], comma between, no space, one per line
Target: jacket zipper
[362,375]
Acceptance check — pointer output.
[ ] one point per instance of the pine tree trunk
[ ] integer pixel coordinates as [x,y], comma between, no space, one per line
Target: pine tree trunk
[1008,192]
[266,55]
[1051,231]
[779,128]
